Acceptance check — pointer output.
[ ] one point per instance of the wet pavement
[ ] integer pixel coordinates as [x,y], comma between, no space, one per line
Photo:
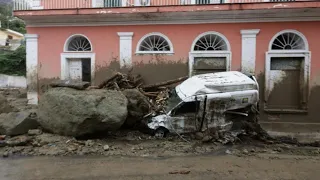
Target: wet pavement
[262,166]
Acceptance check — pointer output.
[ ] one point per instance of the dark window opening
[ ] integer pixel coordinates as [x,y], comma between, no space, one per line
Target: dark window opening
[187,108]
[86,70]
[8,40]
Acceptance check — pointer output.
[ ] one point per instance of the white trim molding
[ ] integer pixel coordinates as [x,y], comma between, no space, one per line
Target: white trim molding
[274,76]
[32,67]
[248,50]
[170,52]
[125,49]
[66,44]
[64,63]
[216,53]
[195,54]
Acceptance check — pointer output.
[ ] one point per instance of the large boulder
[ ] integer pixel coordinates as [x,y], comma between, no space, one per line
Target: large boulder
[17,123]
[76,113]
[4,105]
[138,107]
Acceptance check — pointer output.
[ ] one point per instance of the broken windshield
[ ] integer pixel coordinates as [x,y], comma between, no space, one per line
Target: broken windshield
[173,100]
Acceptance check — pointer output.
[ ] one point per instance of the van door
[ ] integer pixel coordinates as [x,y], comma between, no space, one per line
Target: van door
[183,117]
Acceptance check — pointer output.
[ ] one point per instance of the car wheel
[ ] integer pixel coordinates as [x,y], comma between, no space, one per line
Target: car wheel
[161,132]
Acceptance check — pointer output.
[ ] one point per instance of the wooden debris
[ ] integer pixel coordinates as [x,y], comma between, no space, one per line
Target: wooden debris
[166,83]
[75,84]
[180,172]
[104,83]
[157,93]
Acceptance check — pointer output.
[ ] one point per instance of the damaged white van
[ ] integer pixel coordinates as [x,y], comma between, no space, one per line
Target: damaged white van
[205,101]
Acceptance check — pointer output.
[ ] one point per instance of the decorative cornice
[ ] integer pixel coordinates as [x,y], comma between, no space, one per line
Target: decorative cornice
[200,17]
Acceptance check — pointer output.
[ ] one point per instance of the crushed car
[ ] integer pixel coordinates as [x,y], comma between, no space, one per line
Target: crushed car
[214,100]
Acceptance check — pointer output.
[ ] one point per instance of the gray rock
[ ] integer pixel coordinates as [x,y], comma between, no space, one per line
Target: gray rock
[34,132]
[245,151]
[228,152]
[5,154]
[45,139]
[18,141]
[207,138]
[89,143]
[138,106]
[199,135]
[71,112]
[106,147]
[4,105]
[17,123]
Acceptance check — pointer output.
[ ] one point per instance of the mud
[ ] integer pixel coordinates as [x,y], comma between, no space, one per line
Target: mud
[168,69]
[136,144]
[32,83]
[213,167]
[311,116]
[44,84]
[107,70]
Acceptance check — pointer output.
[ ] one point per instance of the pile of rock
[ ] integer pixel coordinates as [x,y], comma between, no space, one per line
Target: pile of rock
[72,108]
[14,122]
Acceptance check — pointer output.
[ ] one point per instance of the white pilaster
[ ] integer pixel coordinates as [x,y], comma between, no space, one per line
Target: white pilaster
[124,3]
[125,49]
[248,55]
[32,67]
[97,3]
[36,4]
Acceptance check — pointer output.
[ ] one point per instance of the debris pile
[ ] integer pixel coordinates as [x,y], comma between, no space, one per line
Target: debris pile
[157,93]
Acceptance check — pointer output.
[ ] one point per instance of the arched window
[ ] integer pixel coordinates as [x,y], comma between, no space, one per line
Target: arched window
[288,41]
[154,43]
[210,52]
[77,43]
[210,42]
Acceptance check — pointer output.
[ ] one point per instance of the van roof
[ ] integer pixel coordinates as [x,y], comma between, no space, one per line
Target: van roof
[215,83]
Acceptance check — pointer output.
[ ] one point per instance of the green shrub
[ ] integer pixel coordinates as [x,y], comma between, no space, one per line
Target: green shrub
[13,62]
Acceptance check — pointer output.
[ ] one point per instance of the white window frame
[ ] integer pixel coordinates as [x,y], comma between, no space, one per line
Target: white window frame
[305,54]
[194,54]
[66,44]
[64,63]
[171,52]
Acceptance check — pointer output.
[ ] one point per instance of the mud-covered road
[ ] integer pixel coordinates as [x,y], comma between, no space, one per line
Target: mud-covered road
[262,166]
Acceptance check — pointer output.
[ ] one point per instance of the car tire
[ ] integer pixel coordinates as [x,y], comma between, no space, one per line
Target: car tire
[161,132]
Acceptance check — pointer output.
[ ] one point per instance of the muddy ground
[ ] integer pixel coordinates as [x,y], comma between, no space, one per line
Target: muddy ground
[135,143]
[262,166]
[128,154]
[141,145]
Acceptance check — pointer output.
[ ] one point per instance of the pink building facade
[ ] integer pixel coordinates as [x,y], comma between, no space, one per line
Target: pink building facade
[276,41]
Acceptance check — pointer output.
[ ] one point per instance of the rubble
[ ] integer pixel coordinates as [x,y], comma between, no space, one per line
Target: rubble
[18,141]
[106,148]
[120,101]
[17,123]
[156,93]
[4,105]
[76,113]
[34,132]
[138,107]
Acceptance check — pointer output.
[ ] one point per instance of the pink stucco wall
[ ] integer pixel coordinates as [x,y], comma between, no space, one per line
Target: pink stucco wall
[106,42]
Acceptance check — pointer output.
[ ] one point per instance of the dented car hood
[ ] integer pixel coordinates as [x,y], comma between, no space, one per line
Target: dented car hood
[212,83]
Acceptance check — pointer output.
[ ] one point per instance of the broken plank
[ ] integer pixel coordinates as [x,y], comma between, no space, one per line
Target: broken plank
[166,83]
